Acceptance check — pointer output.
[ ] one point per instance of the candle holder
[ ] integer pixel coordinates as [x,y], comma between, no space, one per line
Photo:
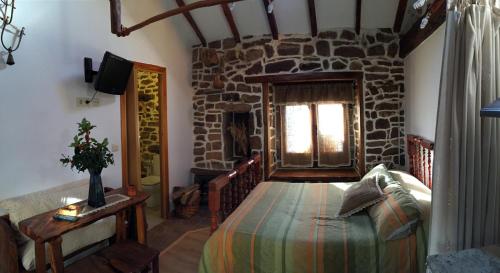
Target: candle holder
[5,7]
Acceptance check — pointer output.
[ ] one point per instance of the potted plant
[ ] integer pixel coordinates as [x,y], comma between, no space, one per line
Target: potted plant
[90,155]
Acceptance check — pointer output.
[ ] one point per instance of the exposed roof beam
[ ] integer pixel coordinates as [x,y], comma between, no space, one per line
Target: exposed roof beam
[272,20]
[415,36]
[312,17]
[230,21]
[193,24]
[118,29]
[358,16]
[400,15]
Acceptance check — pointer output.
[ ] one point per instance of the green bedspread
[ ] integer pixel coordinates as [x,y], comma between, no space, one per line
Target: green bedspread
[286,227]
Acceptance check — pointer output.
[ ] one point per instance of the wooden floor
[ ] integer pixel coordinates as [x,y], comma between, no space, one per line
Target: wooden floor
[183,255]
[164,234]
[314,175]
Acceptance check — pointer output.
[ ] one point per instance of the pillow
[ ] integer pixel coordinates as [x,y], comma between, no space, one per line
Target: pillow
[359,196]
[396,217]
[384,176]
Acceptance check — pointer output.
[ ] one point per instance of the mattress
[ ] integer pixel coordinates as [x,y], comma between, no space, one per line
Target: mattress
[292,227]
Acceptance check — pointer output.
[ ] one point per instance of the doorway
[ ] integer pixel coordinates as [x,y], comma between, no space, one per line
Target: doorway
[145,138]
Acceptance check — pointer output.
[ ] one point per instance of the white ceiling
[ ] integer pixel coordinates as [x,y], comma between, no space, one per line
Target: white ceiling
[292,17]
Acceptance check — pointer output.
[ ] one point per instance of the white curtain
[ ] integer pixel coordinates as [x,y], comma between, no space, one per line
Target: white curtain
[466,190]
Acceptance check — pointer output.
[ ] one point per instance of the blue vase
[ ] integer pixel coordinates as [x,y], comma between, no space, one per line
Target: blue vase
[96,191]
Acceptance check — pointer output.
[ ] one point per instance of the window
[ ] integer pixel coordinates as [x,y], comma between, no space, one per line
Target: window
[296,136]
[333,148]
[315,135]
[298,118]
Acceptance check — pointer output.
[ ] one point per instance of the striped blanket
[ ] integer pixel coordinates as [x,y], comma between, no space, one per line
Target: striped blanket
[285,227]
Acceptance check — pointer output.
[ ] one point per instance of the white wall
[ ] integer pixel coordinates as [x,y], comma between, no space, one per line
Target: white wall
[422,80]
[38,111]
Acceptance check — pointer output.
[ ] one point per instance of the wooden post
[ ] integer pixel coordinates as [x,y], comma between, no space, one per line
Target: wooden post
[40,257]
[141,223]
[56,256]
[121,229]
[214,205]
[265,121]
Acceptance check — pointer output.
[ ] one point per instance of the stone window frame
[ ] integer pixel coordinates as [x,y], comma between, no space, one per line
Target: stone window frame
[267,80]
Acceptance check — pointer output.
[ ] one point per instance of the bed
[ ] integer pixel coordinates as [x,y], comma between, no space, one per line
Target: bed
[292,227]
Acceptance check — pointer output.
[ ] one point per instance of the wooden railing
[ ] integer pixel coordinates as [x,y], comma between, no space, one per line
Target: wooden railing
[227,191]
[421,155]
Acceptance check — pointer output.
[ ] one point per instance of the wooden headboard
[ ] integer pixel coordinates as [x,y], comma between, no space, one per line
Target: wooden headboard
[421,156]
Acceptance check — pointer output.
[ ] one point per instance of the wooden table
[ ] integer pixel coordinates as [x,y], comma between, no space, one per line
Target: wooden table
[44,229]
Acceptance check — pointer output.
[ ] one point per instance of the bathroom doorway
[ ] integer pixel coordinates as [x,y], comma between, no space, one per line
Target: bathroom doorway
[145,138]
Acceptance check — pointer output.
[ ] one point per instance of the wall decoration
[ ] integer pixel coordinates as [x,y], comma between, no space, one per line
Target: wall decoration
[6,17]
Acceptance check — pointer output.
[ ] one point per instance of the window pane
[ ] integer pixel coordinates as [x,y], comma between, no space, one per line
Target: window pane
[298,129]
[331,127]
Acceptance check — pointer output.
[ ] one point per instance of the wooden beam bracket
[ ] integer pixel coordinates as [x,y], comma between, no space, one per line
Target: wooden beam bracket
[121,31]
[272,20]
[232,24]
[192,22]
[358,16]
[415,36]
[400,15]
[312,17]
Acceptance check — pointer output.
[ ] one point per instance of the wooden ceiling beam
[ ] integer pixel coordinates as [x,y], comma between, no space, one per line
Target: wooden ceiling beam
[231,22]
[358,16]
[192,22]
[118,29]
[398,22]
[305,77]
[312,17]
[271,19]
[415,36]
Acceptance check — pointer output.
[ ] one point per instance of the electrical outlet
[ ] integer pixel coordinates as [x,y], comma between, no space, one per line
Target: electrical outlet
[95,102]
[82,102]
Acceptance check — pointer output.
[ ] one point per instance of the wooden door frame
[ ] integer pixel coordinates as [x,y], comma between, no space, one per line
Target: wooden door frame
[130,146]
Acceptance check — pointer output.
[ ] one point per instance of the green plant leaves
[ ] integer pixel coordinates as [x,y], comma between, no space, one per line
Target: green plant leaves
[88,152]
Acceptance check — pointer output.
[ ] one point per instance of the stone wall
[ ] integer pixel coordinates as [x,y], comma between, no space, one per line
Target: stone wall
[149,118]
[373,52]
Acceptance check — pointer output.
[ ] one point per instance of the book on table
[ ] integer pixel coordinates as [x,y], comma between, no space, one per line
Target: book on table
[73,212]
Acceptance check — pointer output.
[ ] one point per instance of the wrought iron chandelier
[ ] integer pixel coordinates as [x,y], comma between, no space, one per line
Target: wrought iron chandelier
[7,8]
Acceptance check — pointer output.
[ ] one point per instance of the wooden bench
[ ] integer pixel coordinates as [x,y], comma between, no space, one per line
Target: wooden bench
[124,257]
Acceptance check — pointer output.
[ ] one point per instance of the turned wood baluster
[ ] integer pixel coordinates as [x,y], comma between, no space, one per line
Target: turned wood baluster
[429,166]
[414,163]
[248,183]
[241,187]
[229,193]
[419,162]
[234,187]
[410,155]
[223,203]
[257,173]
[426,175]
[251,178]
[251,174]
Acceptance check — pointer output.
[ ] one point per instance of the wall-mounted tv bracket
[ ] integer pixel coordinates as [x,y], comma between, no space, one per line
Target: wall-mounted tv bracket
[89,75]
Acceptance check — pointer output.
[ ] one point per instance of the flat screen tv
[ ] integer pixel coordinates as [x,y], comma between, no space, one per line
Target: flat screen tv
[113,74]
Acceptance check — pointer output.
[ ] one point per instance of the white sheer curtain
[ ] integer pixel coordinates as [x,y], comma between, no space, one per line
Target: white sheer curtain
[466,190]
